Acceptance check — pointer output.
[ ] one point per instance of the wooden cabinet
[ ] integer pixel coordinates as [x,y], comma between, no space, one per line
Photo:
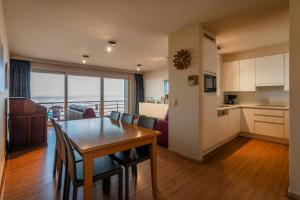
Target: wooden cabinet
[210,53]
[270,70]
[247,75]
[286,72]
[247,120]
[234,122]
[231,76]
[27,124]
[286,124]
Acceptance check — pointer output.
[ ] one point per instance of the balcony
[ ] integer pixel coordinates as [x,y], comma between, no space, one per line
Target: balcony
[108,106]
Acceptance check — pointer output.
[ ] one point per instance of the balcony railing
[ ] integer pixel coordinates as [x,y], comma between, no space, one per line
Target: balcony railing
[117,105]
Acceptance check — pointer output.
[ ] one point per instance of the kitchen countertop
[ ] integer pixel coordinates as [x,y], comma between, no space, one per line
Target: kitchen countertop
[255,106]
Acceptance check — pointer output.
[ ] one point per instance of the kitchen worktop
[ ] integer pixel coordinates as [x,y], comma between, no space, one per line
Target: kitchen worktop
[255,106]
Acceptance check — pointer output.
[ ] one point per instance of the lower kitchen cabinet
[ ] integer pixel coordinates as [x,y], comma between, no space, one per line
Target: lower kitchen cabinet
[247,120]
[234,122]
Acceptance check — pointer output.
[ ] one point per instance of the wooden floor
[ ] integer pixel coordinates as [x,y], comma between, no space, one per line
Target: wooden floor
[244,169]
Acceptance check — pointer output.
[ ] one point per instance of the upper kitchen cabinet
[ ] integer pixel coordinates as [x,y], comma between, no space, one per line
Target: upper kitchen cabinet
[270,70]
[231,75]
[210,53]
[286,71]
[247,75]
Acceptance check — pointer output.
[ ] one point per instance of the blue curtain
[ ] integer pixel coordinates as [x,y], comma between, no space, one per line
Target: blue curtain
[139,91]
[19,78]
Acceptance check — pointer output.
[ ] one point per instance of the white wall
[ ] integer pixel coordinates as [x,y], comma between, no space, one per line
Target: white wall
[294,98]
[154,82]
[184,118]
[4,95]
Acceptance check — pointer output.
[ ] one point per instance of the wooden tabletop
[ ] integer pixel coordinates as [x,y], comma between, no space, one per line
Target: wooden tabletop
[98,133]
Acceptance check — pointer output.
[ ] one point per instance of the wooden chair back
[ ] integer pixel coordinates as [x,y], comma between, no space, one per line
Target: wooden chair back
[57,140]
[147,122]
[127,118]
[115,115]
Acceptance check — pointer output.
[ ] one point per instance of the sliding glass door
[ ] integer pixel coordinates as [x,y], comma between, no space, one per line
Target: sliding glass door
[48,89]
[115,95]
[101,94]
[84,91]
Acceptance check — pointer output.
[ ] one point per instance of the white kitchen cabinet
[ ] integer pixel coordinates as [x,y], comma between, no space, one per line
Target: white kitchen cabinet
[247,75]
[269,129]
[210,136]
[210,55]
[286,72]
[222,128]
[270,70]
[231,76]
[286,124]
[234,122]
[247,120]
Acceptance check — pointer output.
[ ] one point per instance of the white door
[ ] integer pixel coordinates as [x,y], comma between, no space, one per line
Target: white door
[210,55]
[247,75]
[234,122]
[270,70]
[286,71]
[231,75]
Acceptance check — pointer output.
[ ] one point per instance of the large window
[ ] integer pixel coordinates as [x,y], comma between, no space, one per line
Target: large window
[115,95]
[85,91]
[48,89]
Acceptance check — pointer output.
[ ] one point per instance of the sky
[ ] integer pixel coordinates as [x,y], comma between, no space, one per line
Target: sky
[45,84]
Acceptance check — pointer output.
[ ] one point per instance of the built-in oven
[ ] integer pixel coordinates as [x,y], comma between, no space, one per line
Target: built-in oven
[210,82]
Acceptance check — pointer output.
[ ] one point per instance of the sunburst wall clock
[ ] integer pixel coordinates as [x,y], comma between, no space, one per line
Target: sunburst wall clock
[182,59]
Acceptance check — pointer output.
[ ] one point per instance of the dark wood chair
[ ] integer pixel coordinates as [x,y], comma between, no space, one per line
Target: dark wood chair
[104,168]
[115,115]
[55,110]
[131,158]
[127,118]
[60,158]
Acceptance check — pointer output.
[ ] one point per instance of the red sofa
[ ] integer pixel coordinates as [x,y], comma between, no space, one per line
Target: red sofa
[162,126]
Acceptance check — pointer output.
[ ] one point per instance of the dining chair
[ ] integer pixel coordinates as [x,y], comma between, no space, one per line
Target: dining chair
[60,158]
[104,168]
[127,118]
[55,112]
[131,158]
[115,115]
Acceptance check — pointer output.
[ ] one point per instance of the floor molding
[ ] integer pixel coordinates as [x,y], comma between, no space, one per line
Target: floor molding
[293,195]
[265,138]
[185,156]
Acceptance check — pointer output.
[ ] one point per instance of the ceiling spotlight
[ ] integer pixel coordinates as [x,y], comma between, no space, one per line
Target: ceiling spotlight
[138,68]
[110,45]
[84,58]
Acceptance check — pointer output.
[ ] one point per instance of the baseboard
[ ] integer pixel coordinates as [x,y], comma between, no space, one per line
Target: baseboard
[206,152]
[293,195]
[265,138]
[185,156]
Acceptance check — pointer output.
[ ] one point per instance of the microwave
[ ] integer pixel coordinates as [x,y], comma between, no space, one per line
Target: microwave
[210,83]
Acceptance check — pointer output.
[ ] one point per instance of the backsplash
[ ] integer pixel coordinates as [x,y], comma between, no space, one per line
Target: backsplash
[264,95]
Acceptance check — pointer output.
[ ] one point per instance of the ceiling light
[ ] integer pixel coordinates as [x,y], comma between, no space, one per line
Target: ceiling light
[110,45]
[84,58]
[138,67]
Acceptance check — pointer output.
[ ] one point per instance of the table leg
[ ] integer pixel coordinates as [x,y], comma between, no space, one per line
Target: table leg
[87,176]
[153,151]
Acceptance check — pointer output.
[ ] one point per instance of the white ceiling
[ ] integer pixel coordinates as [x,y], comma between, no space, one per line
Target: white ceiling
[64,30]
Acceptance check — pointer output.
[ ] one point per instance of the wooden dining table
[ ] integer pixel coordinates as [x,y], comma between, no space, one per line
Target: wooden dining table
[98,137]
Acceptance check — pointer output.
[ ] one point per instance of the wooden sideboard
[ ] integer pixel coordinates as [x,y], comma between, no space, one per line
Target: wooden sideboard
[27,124]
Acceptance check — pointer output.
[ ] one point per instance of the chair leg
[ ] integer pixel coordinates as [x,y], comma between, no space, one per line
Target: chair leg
[60,168]
[55,163]
[66,184]
[106,185]
[134,171]
[74,192]
[120,192]
[126,183]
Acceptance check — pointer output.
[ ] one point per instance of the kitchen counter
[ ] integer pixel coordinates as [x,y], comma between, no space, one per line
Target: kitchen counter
[255,106]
